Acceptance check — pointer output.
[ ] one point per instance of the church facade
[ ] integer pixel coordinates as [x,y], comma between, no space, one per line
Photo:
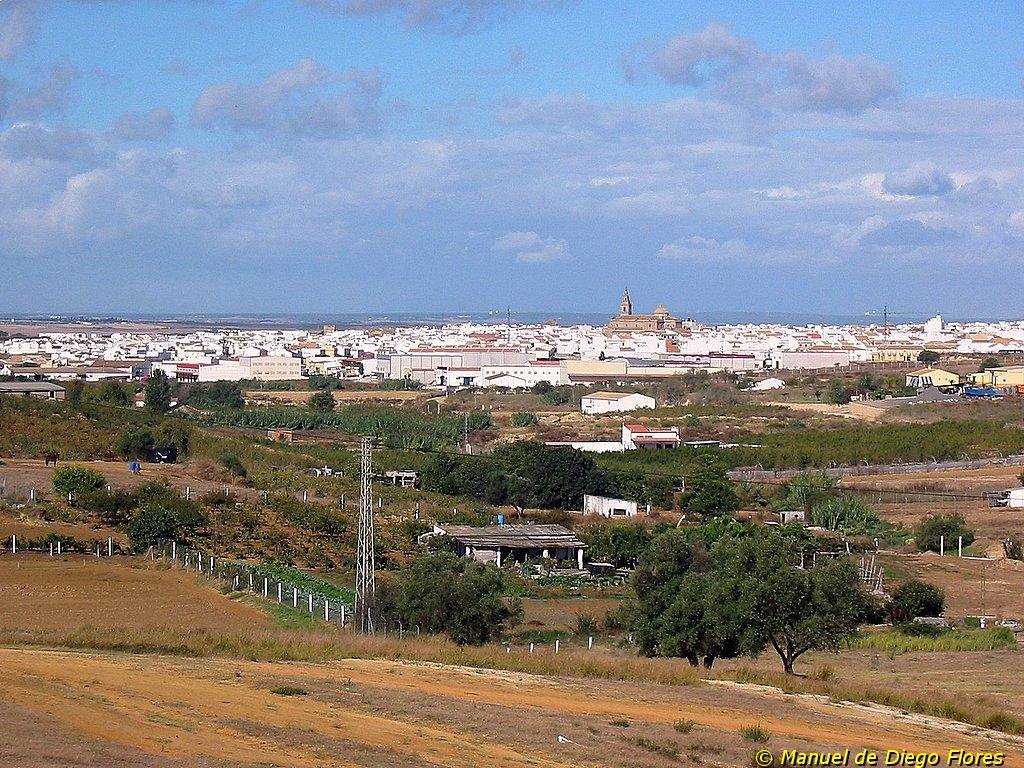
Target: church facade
[658,321]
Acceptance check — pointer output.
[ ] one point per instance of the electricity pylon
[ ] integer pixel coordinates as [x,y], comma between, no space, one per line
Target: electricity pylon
[365,558]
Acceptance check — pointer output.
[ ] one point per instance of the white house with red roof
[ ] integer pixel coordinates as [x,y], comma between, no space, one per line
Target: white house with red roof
[636,436]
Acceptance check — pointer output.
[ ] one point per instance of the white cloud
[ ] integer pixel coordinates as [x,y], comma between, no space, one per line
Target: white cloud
[306,99]
[739,71]
[530,247]
[704,249]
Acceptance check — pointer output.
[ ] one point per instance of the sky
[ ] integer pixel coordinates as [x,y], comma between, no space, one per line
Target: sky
[260,156]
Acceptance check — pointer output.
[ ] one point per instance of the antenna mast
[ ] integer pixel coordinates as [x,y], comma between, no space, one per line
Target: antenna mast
[365,559]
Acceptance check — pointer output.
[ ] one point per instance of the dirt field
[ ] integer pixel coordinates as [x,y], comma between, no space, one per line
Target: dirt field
[376,713]
[39,592]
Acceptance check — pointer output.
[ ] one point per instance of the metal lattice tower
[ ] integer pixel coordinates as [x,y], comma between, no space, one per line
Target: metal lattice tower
[365,559]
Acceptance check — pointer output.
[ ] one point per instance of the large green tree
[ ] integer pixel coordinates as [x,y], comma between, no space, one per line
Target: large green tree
[158,392]
[708,491]
[741,596]
[456,596]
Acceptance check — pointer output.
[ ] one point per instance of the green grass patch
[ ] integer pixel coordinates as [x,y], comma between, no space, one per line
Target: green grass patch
[894,641]
[289,690]
[284,616]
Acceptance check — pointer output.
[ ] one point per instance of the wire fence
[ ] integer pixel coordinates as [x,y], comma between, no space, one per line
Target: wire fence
[56,544]
[257,580]
[756,473]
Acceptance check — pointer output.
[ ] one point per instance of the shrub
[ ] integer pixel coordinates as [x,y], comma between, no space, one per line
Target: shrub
[289,690]
[915,598]
[619,722]
[683,726]
[74,479]
[322,401]
[150,524]
[524,419]
[112,507]
[930,531]
[667,748]
[233,465]
[585,625]
[756,734]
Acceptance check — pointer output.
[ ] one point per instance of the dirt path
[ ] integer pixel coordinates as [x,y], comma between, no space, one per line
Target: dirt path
[370,713]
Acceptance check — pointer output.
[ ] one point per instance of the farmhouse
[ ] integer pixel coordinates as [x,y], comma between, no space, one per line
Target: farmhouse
[500,543]
[40,389]
[614,402]
[653,438]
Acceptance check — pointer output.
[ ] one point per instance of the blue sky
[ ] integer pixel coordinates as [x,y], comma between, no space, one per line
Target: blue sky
[384,155]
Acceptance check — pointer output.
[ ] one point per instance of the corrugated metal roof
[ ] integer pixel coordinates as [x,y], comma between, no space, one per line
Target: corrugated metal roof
[29,386]
[514,536]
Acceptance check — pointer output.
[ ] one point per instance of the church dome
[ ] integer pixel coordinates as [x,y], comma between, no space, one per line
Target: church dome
[661,309]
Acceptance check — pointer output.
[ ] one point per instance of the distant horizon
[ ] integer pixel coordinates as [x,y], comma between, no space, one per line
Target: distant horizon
[350,319]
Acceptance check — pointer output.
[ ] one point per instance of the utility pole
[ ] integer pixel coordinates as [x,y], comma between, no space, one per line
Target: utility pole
[509,325]
[365,559]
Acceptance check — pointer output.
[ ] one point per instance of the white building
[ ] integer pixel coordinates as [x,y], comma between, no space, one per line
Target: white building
[266,368]
[652,438]
[606,506]
[614,402]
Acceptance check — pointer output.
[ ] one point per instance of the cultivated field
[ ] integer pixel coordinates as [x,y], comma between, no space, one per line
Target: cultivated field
[38,592]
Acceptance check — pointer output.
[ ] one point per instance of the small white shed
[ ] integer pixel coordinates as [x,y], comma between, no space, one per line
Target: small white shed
[608,507]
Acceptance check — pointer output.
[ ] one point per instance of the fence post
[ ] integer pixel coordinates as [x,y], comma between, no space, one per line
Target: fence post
[58,546]
[279,591]
[531,647]
[327,610]
[960,546]
[342,614]
[310,602]
[97,550]
[188,493]
[250,581]
[266,585]
[305,495]
[590,643]
[942,544]
[32,495]
[295,597]
[558,644]
[14,544]
[51,549]
[110,546]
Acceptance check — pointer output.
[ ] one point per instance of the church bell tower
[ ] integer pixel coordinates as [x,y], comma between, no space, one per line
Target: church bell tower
[626,307]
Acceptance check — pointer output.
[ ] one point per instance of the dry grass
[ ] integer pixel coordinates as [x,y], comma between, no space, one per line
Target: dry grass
[326,645]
